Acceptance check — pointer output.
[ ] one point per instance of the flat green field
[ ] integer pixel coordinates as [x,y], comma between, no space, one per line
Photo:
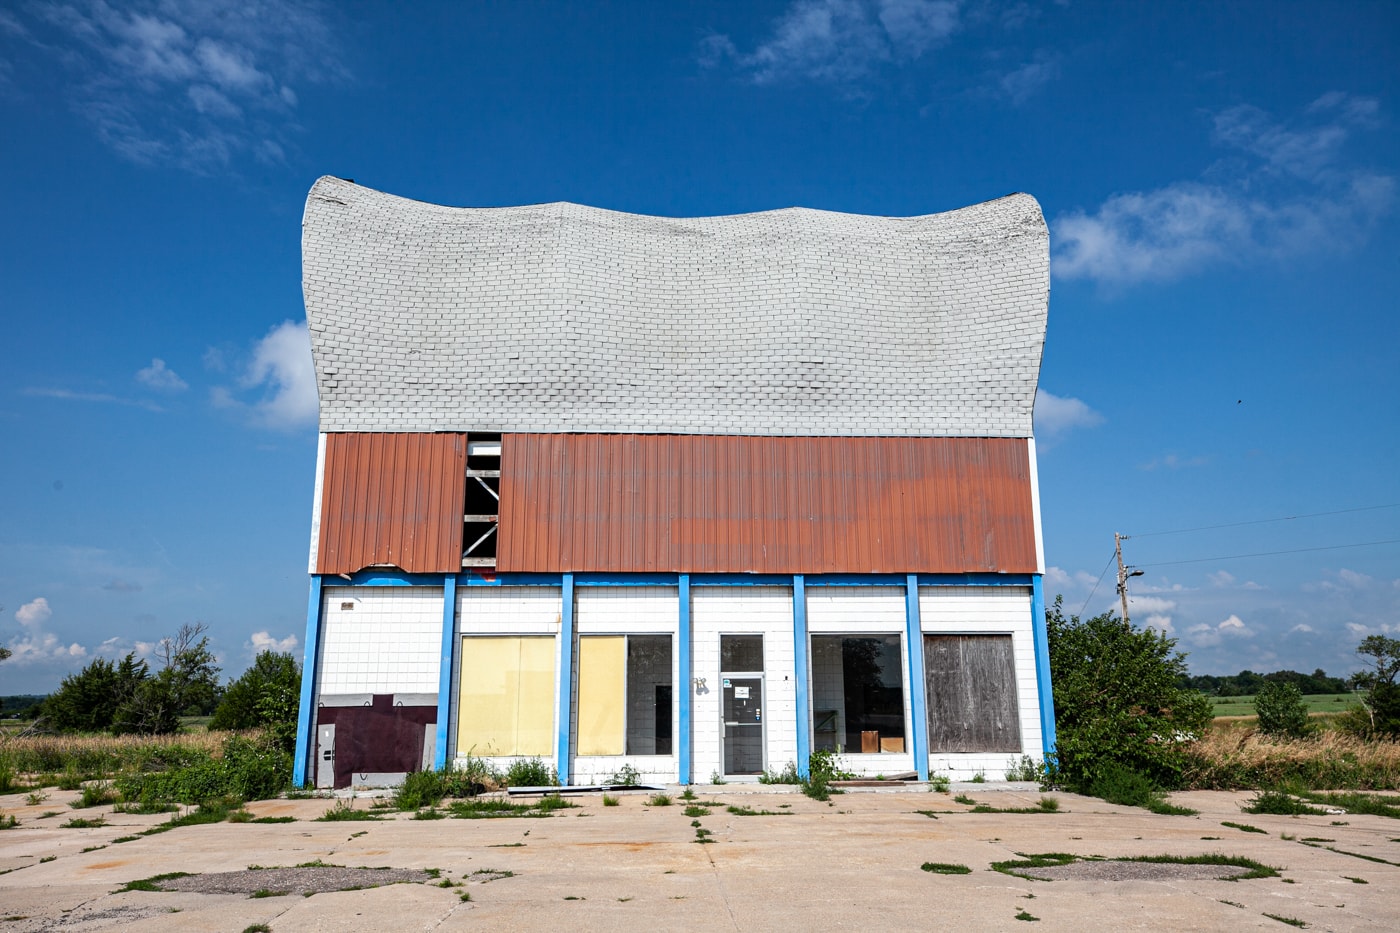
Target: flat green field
[1317,703]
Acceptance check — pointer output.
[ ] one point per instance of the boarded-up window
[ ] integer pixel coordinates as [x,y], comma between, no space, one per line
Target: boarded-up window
[624,695]
[506,699]
[971,683]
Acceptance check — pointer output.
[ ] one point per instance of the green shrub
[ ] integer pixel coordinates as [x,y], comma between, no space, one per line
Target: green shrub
[248,769]
[1126,787]
[1277,802]
[821,771]
[266,696]
[788,775]
[1027,769]
[1118,701]
[531,772]
[420,789]
[1281,710]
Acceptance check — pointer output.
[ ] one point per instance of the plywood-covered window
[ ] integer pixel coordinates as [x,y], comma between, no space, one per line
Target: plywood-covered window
[857,693]
[505,703]
[971,684]
[624,695]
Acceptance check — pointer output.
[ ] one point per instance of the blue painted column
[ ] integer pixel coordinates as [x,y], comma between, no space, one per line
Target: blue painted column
[449,645]
[309,673]
[565,701]
[687,685]
[801,671]
[1042,666]
[914,639]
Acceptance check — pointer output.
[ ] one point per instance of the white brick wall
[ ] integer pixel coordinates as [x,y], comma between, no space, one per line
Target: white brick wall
[390,642]
[743,610]
[1001,610]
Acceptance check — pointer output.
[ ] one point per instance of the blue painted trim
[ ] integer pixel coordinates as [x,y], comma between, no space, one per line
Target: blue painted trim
[975,579]
[374,577]
[564,712]
[1042,667]
[627,579]
[305,747]
[802,672]
[511,579]
[914,639]
[449,645]
[855,579]
[686,684]
[740,579]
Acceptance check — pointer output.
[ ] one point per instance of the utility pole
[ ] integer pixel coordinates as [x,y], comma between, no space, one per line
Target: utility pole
[1124,572]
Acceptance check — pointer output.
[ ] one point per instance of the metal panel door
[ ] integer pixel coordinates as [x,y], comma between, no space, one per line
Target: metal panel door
[325,756]
[743,725]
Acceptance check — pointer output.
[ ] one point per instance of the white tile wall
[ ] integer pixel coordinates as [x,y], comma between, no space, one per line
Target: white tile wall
[743,610]
[628,610]
[390,642]
[1003,610]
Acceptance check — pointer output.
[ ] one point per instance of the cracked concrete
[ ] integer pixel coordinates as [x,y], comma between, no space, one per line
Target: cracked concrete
[851,864]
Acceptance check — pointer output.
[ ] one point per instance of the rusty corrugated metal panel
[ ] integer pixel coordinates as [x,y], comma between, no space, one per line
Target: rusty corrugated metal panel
[393,499]
[716,504]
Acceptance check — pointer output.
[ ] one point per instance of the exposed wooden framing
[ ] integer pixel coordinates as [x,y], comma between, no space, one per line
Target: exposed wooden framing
[469,519]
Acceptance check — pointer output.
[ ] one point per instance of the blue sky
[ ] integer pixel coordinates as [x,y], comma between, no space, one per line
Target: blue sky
[1219,180]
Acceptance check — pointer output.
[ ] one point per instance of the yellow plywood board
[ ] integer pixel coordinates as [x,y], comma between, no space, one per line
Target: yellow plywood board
[505,701]
[602,679]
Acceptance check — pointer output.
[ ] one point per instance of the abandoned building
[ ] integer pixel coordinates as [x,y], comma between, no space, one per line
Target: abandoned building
[694,496]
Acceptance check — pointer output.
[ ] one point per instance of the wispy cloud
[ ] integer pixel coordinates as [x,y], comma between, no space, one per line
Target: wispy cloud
[1173,462]
[838,40]
[1022,82]
[160,377]
[70,395]
[1056,415]
[197,83]
[1294,195]
[281,370]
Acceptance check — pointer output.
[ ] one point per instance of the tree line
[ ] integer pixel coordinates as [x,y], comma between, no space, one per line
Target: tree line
[1247,683]
[128,697]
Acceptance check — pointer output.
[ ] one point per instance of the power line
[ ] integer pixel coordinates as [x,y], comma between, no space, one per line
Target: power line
[1098,581]
[1266,521]
[1204,560]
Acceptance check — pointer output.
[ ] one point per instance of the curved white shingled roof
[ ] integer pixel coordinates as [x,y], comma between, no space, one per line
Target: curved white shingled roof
[564,318]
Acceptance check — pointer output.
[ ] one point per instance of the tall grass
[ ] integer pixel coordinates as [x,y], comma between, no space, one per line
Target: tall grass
[1234,759]
[104,754]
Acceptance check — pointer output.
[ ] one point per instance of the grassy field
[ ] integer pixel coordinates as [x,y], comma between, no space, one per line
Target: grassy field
[1316,702]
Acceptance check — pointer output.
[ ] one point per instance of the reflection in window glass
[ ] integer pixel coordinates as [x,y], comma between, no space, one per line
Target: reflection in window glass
[741,653]
[857,693]
[624,695]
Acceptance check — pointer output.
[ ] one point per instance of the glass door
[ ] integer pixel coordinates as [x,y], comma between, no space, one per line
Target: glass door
[741,680]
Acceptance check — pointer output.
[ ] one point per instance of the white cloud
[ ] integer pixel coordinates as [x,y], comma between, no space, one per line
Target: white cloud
[34,613]
[1206,635]
[196,83]
[263,641]
[1221,578]
[839,40]
[1302,628]
[35,645]
[1296,198]
[1055,415]
[281,367]
[159,376]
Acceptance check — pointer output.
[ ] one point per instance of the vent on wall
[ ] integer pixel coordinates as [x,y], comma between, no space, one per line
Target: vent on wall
[346,607]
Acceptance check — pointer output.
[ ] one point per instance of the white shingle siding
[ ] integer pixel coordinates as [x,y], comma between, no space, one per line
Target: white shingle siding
[564,318]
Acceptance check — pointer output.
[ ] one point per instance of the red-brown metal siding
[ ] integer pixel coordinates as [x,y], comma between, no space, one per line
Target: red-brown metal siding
[392,499]
[708,504]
